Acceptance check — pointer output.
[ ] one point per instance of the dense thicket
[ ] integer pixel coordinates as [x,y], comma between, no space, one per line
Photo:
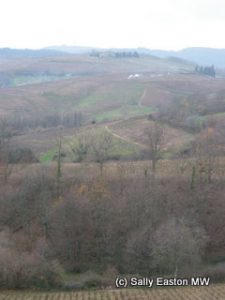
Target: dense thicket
[136,224]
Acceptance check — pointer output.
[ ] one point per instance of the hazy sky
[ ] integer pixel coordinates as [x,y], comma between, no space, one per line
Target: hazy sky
[165,24]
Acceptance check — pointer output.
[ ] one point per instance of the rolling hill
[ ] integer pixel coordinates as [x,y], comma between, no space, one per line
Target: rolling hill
[196,55]
[30,70]
[102,90]
[10,53]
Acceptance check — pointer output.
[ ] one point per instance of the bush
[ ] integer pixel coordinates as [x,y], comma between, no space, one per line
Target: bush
[90,279]
[93,281]
[25,270]
[21,155]
[216,274]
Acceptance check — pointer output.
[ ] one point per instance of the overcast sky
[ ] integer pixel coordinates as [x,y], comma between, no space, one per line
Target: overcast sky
[158,24]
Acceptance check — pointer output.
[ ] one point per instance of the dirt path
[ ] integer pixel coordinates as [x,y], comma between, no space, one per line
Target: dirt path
[121,137]
[142,98]
[116,122]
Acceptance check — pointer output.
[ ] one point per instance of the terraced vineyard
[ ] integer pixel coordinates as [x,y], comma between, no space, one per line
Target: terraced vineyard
[213,292]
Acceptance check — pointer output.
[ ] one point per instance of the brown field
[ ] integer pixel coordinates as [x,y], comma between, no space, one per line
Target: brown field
[91,77]
[133,130]
[110,98]
[213,292]
[89,64]
[100,85]
[164,89]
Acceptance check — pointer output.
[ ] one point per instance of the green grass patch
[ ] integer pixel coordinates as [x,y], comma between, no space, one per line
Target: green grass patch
[56,97]
[19,80]
[121,112]
[62,103]
[218,116]
[118,94]
[119,148]
[176,151]
[92,100]
[47,157]
[122,149]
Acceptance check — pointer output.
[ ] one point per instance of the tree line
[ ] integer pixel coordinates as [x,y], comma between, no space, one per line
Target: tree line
[115,54]
[17,122]
[206,70]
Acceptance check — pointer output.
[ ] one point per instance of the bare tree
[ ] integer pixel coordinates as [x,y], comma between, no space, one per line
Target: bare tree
[59,146]
[59,165]
[81,147]
[101,144]
[177,246]
[155,137]
[5,135]
[205,151]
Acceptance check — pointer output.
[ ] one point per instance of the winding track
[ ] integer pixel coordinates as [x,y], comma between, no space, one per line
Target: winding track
[142,98]
[121,137]
[119,121]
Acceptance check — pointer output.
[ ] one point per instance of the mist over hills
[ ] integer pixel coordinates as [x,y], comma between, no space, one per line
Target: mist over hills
[10,53]
[196,55]
[199,55]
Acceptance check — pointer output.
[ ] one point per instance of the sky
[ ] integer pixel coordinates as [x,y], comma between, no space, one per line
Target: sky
[159,24]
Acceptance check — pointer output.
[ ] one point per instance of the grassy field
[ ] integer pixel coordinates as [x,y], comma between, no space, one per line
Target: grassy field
[96,86]
[108,99]
[128,139]
[83,65]
[134,130]
[213,292]
[106,96]
[32,79]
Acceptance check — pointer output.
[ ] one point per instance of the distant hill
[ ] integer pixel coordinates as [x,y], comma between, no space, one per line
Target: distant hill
[9,53]
[71,49]
[201,56]
[88,50]
[197,55]
[23,70]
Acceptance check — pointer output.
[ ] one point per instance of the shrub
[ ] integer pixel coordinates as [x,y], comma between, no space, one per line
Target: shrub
[21,155]
[25,270]
[216,273]
[91,279]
